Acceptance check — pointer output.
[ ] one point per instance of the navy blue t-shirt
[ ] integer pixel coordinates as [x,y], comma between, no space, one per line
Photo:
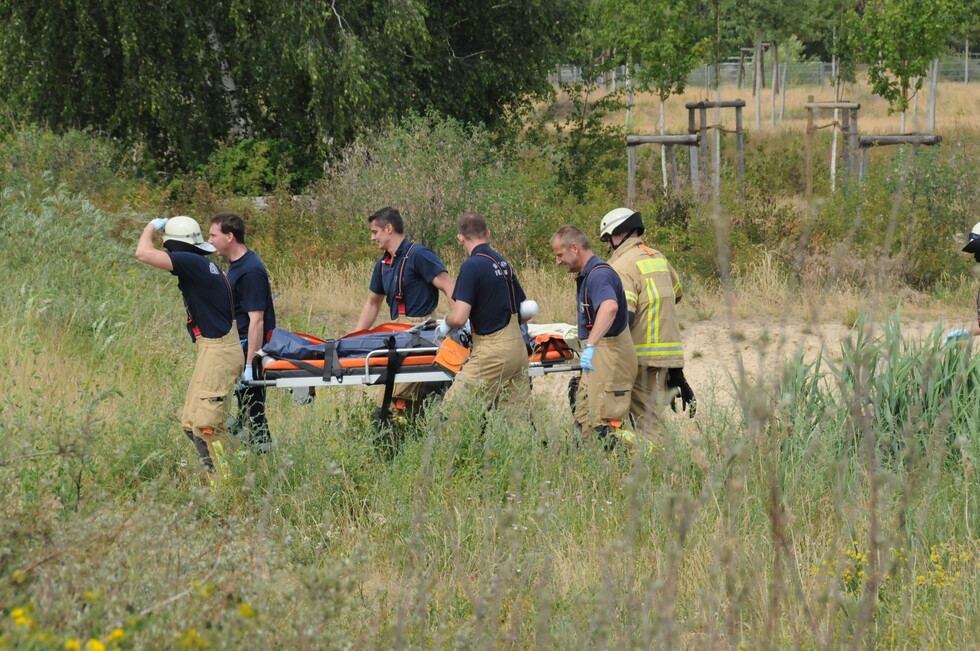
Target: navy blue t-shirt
[250,280]
[421,266]
[205,291]
[594,287]
[486,285]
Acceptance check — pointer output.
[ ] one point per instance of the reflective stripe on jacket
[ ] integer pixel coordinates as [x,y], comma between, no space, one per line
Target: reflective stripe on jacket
[652,289]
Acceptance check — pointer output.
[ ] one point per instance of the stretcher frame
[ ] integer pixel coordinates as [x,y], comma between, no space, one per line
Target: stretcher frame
[371,375]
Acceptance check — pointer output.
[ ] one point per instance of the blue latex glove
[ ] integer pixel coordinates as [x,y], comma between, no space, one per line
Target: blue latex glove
[159,223]
[956,335]
[586,359]
[247,373]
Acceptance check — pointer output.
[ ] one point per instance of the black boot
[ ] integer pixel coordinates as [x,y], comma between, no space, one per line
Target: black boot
[202,450]
[603,434]
[385,433]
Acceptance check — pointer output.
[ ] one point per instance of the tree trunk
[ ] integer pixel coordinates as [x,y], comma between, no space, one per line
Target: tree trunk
[915,112]
[782,85]
[238,127]
[663,148]
[775,83]
[629,95]
[833,154]
[716,154]
[757,80]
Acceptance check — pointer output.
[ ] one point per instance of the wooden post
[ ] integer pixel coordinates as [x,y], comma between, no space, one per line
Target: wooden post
[630,174]
[809,147]
[693,152]
[845,128]
[740,145]
[669,141]
[703,132]
[855,161]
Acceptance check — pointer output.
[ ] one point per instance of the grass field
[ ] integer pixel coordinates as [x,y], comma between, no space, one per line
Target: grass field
[824,496]
[957,109]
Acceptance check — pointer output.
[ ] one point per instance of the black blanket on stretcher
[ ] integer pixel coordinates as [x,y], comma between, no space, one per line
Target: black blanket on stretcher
[284,344]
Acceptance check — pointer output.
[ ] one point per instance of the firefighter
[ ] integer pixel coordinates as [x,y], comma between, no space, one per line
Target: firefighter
[652,289]
[972,246]
[211,324]
[409,276]
[608,360]
[489,295]
[255,317]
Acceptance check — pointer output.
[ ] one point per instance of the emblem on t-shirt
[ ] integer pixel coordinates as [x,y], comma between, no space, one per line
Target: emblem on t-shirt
[213,269]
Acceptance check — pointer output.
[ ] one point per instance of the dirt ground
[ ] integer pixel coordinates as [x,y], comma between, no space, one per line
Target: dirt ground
[718,351]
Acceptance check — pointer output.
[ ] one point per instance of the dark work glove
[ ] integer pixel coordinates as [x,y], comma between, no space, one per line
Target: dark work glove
[677,386]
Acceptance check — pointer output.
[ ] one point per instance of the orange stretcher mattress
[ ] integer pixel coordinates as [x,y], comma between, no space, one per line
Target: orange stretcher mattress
[544,355]
[351,362]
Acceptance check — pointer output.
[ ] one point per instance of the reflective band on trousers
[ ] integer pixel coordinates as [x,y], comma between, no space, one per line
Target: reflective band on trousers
[652,350]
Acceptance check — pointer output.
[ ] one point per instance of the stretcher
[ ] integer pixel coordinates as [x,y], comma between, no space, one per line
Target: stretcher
[405,354]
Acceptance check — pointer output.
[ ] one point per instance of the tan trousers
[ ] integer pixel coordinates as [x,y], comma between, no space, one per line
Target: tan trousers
[495,372]
[649,399]
[217,370]
[603,396]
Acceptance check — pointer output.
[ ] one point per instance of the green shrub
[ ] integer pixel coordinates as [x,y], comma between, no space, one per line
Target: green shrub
[432,169]
[248,167]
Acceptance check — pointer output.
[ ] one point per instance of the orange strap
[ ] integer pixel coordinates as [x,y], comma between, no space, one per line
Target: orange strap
[646,249]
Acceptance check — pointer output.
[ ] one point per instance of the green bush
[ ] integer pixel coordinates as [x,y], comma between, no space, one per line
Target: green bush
[248,167]
[432,169]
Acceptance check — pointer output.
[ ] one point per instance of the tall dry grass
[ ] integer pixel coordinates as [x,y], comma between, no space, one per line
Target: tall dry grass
[957,109]
[829,503]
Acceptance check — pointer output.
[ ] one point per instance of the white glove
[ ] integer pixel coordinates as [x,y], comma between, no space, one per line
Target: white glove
[159,223]
[528,309]
[442,329]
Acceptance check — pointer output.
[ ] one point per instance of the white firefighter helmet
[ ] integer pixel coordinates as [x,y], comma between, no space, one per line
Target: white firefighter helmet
[185,235]
[973,242]
[620,220]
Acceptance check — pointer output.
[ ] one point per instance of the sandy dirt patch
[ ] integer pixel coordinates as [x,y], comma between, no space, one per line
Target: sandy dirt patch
[719,352]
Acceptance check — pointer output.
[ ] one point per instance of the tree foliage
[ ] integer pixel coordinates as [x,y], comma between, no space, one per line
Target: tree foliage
[185,76]
[898,40]
[662,40]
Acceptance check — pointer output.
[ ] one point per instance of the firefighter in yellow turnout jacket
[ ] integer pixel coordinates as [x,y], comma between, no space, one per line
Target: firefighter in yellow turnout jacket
[652,290]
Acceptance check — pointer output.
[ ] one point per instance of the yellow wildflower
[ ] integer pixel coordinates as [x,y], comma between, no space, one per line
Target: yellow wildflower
[94,645]
[17,613]
[72,644]
[116,635]
[246,611]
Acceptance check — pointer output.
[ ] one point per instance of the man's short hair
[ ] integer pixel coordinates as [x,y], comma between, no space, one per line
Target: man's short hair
[568,234]
[472,226]
[388,215]
[231,223]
